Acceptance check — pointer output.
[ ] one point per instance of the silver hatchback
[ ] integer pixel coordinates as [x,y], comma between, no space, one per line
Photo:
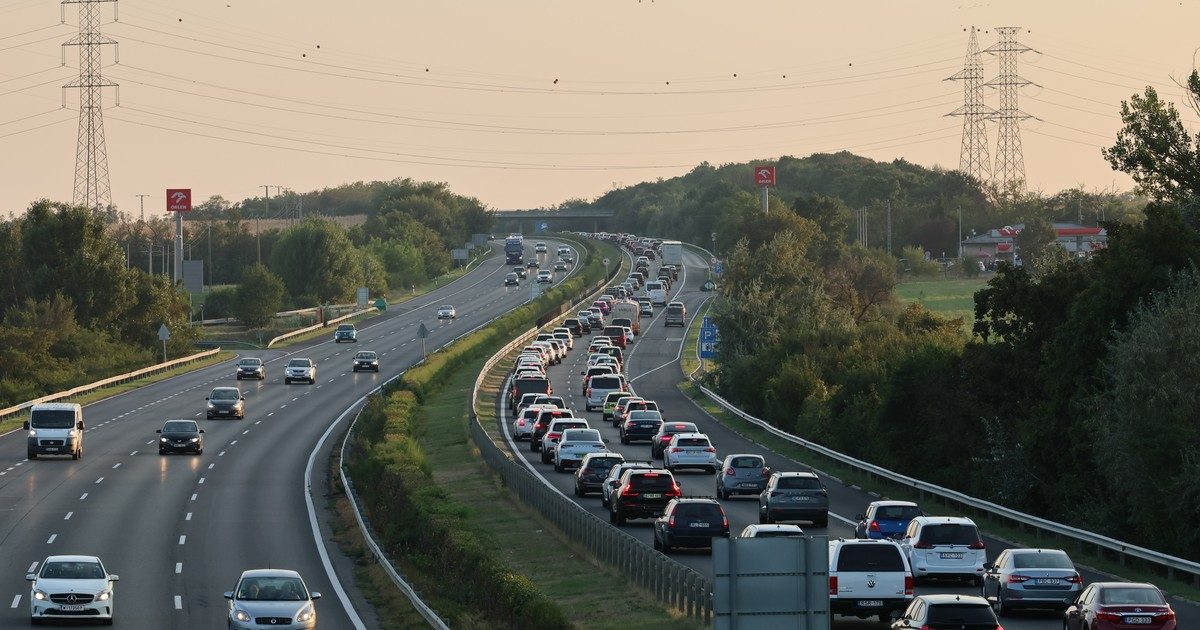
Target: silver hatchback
[690,450]
[742,474]
[276,598]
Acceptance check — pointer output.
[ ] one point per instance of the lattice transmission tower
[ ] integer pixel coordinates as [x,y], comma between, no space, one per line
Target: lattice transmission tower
[91,158]
[1009,173]
[973,159]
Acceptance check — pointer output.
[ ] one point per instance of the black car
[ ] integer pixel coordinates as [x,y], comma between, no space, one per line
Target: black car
[642,494]
[962,612]
[659,442]
[250,367]
[572,324]
[690,523]
[366,360]
[180,436]
[520,271]
[542,424]
[227,402]
[636,428]
[593,470]
[533,264]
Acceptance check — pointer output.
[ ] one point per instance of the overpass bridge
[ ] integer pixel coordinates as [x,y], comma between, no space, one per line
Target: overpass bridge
[534,221]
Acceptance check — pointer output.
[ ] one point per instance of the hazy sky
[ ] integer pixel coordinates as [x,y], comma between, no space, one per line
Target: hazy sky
[227,96]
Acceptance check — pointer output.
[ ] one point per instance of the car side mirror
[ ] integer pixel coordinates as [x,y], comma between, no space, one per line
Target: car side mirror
[114,578]
[158,430]
[26,425]
[860,517]
[314,595]
[202,430]
[206,398]
[79,425]
[30,577]
[228,594]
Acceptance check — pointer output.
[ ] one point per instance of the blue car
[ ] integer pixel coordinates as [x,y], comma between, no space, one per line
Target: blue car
[345,332]
[886,519]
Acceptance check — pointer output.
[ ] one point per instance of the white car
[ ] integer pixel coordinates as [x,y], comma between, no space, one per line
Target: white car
[868,578]
[447,311]
[945,546]
[271,598]
[545,276]
[300,370]
[777,530]
[71,587]
[690,450]
[540,248]
[576,443]
[564,335]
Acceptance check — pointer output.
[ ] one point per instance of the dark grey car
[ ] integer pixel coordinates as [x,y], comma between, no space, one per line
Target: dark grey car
[180,436]
[743,473]
[1031,578]
[794,496]
[226,402]
[251,367]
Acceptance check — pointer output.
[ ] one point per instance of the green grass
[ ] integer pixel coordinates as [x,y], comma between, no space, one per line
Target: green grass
[948,298]
[998,528]
[688,360]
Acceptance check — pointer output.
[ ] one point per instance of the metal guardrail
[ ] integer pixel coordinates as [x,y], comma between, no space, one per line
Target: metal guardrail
[672,583]
[1123,549]
[112,380]
[301,331]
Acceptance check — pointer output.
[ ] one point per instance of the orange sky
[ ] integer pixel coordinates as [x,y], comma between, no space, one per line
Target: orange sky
[227,96]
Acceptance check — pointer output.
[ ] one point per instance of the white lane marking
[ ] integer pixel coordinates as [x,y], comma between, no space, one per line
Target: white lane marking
[150,442]
[116,465]
[295,399]
[178,602]
[179,567]
[133,453]
[83,496]
[188,517]
[68,516]
[100,479]
[233,442]
[182,539]
[282,406]
[221,454]
[259,422]
[50,540]
[245,432]
[17,598]
[268,415]
[197,414]
[193,498]
[202,479]
[210,466]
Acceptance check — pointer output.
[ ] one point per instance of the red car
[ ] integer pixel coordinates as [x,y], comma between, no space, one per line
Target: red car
[1120,606]
[604,307]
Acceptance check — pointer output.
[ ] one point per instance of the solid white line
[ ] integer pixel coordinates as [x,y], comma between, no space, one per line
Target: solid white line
[182,539]
[179,567]
[16,601]
[50,540]
[68,516]
[178,602]
[188,517]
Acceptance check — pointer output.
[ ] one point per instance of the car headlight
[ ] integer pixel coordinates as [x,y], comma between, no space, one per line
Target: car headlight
[40,595]
[210,405]
[194,440]
[241,615]
[306,614]
[33,433]
[163,440]
[104,596]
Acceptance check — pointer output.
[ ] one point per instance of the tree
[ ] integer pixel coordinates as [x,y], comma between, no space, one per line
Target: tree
[1155,149]
[317,262]
[259,296]
[1033,239]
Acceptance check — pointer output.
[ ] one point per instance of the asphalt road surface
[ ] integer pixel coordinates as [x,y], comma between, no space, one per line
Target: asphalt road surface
[652,366]
[180,529]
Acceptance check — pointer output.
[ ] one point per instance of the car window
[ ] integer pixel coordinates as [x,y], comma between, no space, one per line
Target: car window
[645,416]
[674,310]
[581,435]
[603,463]
[870,557]
[898,512]
[73,571]
[686,427]
[961,614]
[250,362]
[345,327]
[605,382]
[691,442]
[298,363]
[1041,560]
[746,462]
[698,510]
[286,589]
[799,483]
[224,394]
[179,426]
[1124,595]
[651,481]
[949,534]
[366,355]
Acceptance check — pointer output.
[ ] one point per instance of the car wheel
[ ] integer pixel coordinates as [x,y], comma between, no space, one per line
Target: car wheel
[287,381]
[578,491]
[657,545]
[532,445]
[721,491]
[612,516]
[620,518]
[107,622]
[161,452]
[557,468]
[78,454]
[239,377]
[1001,609]
[762,518]
[666,546]
[624,440]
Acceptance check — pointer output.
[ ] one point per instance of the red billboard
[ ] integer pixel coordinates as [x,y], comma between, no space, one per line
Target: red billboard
[179,200]
[764,175]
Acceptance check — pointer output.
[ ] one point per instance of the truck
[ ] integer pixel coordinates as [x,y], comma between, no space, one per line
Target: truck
[624,309]
[514,250]
[672,253]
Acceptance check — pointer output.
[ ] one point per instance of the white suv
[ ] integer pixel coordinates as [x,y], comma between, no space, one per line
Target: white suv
[690,450]
[71,587]
[945,546]
[868,578]
[300,370]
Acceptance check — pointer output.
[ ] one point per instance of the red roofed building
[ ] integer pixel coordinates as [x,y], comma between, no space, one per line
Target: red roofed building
[997,244]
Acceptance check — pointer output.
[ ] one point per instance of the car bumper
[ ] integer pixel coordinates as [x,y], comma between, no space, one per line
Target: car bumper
[51,610]
[921,569]
[789,513]
[1039,598]
[254,374]
[179,448]
[226,412]
[693,462]
[744,487]
[34,445]
[642,510]
[251,625]
[865,606]
[569,463]
[374,367]
[636,436]
[689,539]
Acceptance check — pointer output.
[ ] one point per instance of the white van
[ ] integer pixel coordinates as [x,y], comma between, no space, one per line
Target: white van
[657,292]
[868,578]
[55,429]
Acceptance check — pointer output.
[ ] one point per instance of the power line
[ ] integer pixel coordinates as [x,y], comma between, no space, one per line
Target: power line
[91,157]
[973,157]
[1010,159]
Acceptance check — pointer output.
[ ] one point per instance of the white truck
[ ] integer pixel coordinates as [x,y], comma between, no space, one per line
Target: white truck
[626,309]
[672,253]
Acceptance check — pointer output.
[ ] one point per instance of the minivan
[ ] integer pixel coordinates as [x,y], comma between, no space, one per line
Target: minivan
[55,429]
[657,292]
[676,314]
[600,386]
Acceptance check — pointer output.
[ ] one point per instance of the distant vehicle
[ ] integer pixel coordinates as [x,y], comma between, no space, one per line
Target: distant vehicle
[676,314]
[744,473]
[545,276]
[227,402]
[55,429]
[180,435]
[657,292]
[251,367]
[629,311]
[1113,605]
[592,471]
[967,611]
[642,494]
[512,280]
[345,332]
[554,433]
[267,597]
[612,481]
[514,250]
[533,264]
[690,450]
[666,432]
[520,271]
[672,253]
[783,530]
[560,266]
[886,519]
[446,311]
[367,360]
[794,496]
[692,522]
[1031,578]
[599,387]
[640,425]
[574,446]
[300,370]
[540,247]
[71,587]
[945,546]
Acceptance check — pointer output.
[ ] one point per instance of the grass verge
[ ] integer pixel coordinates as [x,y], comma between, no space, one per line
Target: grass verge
[948,298]
[688,359]
[996,527]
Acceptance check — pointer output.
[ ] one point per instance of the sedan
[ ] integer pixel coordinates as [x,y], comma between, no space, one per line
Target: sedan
[1119,605]
[71,587]
[180,436]
[1031,578]
[250,367]
[446,311]
[271,597]
[226,401]
[367,360]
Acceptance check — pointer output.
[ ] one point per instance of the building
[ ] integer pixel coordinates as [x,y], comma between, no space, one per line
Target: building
[998,244]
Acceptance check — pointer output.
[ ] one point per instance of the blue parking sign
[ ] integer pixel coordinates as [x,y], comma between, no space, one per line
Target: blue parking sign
[708,350]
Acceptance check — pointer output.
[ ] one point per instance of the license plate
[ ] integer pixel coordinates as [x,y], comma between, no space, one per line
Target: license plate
[1046,581]
[802,498]
[699,525]
[952,556]
[747,484]
[1137,621]
[654,496]
[51,448]
[870,603]
[70,607]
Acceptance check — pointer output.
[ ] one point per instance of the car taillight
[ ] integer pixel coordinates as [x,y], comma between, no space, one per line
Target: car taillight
[833,589]
[589,394]
[1169,615]
[1017,579]
[908,585]
[766,472]
[978,544]
[628,491]
[724,521]
[520,423]
[671,521]
[874,526]
[1104,615]
[730,472]
[1075,579]
[710,450]
[675,449]
[923,545]
[675,491]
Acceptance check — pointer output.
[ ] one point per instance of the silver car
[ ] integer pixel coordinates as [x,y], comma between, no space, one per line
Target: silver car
[744,473]
[690,450]
[1031,578]
[276,598]
[300,370]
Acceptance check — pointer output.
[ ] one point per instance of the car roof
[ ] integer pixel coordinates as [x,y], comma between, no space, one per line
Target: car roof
[892,504]
[71,559]
[728,457]
[605,454]
[796,474]
[945,598]
[55,406]
[943,520]
[774,527]
[688,436]
[225,388]
[269,573]
[709,500]
[179,420]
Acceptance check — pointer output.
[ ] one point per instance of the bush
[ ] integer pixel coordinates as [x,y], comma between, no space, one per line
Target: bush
[219,303]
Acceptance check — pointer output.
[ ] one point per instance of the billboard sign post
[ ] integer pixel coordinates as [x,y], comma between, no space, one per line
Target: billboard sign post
[764,177]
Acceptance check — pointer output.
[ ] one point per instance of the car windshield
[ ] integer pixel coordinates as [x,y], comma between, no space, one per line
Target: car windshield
[446,307]
[272,589]
[298,363]
[949,534]
[961,614]
[224,394]
[179,426]
[651,481]
[870,557]
[653,416]
[250,362]
[73,571]
[365,355]
[52,418]
[746,462]
[674,310]
[777,533]
[799,483]
[898,512]
[1041,560]
[691,442]
[581,435]
[345,327]
[1122,595]
[606,382]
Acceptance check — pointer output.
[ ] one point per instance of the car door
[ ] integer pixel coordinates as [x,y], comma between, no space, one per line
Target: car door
[991,576]
[1073,618]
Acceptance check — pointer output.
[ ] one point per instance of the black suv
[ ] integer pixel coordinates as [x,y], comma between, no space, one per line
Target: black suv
[642,494]
[690,523]
[592,471]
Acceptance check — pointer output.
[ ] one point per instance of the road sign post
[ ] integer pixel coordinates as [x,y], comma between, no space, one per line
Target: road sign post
[764,177]
[423,333]
[606,269]
[163,335]
[179,200]
[708,339]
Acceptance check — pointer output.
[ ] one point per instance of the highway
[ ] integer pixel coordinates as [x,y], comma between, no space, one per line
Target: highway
[653,369]
[180,529]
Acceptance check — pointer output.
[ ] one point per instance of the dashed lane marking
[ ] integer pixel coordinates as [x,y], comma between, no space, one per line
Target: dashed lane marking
[16,601]
[179,567]
[50,540]
[68,516]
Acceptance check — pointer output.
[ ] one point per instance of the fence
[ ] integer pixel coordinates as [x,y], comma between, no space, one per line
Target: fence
[5,414]
[672,583]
